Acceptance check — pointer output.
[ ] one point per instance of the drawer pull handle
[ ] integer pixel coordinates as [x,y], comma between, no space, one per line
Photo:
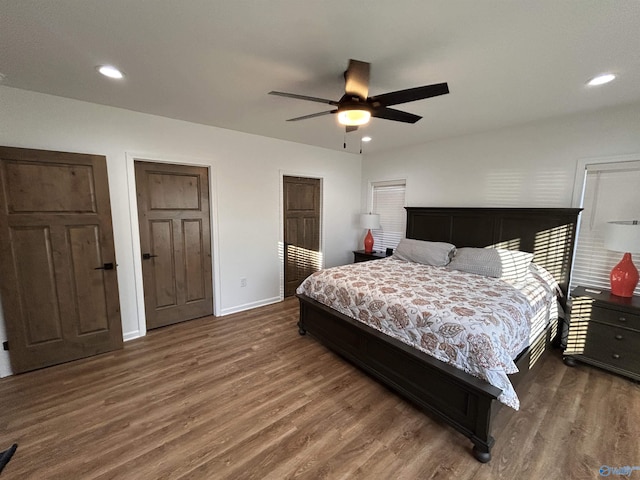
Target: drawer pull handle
[616,356]
[622,319]
[619,337]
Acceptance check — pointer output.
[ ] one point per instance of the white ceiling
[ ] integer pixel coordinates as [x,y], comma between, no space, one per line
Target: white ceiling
[213,61]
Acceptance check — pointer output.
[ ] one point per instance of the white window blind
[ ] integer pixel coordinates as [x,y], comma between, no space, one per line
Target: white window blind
[611,192]
[388,202]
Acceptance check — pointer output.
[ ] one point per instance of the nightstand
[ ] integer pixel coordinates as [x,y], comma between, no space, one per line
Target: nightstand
[604,330]
[361,256]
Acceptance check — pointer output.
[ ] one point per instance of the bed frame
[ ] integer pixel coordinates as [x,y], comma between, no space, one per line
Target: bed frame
[461,400]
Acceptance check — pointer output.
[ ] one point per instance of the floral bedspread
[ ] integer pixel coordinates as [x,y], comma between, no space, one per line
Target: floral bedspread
[475,323]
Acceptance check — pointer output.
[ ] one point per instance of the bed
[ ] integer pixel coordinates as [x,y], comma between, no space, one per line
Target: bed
[463,400]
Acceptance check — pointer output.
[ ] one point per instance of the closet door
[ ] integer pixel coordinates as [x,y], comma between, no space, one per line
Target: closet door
[301,230]
[175,237]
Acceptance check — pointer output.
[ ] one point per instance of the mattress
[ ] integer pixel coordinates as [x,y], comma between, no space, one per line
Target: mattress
[478,324]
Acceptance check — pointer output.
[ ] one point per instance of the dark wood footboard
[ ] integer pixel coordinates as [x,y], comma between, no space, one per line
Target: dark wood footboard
[461,400]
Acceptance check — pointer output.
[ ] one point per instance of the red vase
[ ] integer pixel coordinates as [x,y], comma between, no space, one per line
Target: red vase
[624,277]
[368,243]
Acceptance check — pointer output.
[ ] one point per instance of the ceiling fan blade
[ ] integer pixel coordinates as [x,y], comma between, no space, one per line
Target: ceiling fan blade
[313,115]
[350,128]
[409,95]
[357,78]
[396,115]
[304,97]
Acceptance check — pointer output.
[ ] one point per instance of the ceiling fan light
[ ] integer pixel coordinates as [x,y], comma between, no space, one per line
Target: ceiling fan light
[354,117]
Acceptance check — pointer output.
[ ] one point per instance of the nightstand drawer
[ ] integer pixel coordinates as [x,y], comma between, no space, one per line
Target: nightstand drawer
[614,346]
[615,318]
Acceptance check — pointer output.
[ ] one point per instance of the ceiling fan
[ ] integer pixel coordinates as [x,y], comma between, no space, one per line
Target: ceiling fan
[356,107]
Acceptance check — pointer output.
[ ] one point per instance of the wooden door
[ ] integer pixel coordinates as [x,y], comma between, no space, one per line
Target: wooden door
[58,283]
[301,230]
[175,237]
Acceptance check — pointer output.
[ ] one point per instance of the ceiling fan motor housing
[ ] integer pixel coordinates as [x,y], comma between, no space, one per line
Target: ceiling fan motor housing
[349,102]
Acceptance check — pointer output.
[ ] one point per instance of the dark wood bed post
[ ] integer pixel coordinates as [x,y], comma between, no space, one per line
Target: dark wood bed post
[462,400]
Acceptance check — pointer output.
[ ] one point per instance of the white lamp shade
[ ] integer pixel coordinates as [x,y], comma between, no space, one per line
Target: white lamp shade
[622,236]
[370,220]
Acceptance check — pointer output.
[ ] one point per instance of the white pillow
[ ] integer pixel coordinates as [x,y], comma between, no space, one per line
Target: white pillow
[437,254]
[509,265]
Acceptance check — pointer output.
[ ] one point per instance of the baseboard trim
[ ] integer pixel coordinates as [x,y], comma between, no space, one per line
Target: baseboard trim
[249,306]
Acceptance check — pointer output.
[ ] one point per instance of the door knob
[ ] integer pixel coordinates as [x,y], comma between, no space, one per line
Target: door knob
[147,256]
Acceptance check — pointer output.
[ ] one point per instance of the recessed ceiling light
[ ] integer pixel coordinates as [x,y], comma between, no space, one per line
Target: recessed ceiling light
[366,139]
[601,79]
[110,71]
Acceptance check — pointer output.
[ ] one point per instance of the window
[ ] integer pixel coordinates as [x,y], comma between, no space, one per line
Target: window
[610,193]
[387,200]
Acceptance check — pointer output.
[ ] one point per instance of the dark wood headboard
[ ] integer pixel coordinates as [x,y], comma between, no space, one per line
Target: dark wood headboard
[549,233]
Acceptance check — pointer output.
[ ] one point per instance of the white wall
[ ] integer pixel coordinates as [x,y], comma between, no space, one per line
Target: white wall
[532,165]
[246,174]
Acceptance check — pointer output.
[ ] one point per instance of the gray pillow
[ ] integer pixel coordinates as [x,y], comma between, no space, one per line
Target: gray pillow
[437,254]
[509,265]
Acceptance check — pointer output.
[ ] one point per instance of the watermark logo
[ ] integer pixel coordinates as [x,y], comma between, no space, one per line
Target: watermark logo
[625,471]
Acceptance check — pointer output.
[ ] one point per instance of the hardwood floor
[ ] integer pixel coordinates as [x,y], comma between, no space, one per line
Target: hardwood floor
[244,396]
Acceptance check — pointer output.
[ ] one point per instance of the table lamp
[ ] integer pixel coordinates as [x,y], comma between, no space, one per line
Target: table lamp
[623,236]
[369,221]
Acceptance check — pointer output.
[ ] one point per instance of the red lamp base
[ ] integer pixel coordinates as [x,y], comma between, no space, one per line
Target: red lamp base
[368,243]
[624,277]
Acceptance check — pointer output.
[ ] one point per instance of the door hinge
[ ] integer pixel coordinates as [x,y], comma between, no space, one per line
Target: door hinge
[5,345]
